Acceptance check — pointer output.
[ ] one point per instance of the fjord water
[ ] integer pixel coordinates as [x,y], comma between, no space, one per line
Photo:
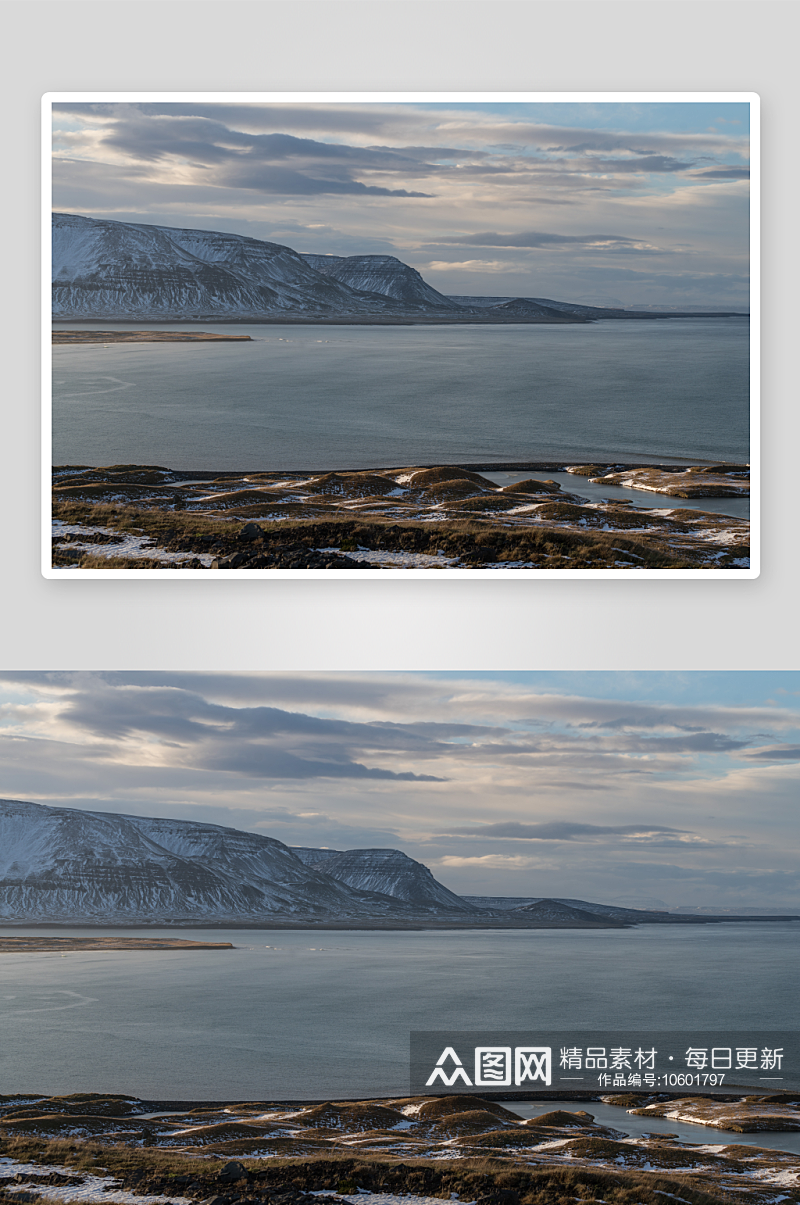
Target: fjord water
[327,397]
[300,1015]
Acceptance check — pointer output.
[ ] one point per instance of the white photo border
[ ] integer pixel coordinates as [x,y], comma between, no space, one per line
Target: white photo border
[750,98]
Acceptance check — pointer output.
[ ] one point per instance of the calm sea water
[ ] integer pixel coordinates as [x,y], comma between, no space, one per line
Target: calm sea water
[307,1015]
[314,397]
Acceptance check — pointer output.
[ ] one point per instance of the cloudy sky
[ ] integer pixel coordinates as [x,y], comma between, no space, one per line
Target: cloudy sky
[616,787]
[606,204]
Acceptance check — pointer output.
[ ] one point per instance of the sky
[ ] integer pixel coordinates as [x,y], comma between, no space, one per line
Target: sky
[633,204]
[647,789]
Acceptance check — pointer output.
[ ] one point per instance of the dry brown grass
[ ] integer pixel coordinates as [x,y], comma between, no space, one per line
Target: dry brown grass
[504,1181]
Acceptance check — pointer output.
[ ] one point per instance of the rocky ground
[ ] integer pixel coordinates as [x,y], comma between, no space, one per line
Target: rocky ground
[90,1147]
[61,945]
[134,516]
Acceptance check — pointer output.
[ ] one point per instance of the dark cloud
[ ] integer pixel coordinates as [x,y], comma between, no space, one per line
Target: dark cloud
[254,761]
[776,753]
[432,153]
[699,742]
[537,238]
[723,173]
[644,163]
[256,161]
[355,119]
[736,877]
[212,142]
[558,830]
[265,178]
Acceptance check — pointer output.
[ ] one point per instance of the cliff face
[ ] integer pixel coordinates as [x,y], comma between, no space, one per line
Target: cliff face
[383,274]
[391,873]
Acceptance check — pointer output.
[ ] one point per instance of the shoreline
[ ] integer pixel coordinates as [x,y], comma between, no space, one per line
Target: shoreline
[481,466]
[409,319]
[413,925]
[58,945]
[76,338]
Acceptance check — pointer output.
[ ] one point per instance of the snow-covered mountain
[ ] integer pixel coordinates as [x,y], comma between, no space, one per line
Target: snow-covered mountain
[384,274]
[389,872]
[63,864]
[105,269]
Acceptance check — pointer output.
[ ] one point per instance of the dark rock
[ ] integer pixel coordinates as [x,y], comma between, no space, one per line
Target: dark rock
[251,531]
[229,562]
[232,1171]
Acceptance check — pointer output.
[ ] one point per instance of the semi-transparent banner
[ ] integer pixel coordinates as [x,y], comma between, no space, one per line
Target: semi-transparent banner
[602,1060]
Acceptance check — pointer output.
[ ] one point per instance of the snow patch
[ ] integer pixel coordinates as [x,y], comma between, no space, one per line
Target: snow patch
[398,560]
[129,546]
[93,1188]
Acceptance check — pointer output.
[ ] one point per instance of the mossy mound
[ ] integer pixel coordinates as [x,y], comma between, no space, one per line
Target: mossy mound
[561,1118]
[136,475]
[475,1121]
[110,491]
[421,478]
[488,503]
[532,486]
[223,1131]
[55,1125]
[567,512]
[448,491]
[625,1154]
[83,1103]
[351,485]
[236,499]
[443,1106]
[350,1117]
[517,1138]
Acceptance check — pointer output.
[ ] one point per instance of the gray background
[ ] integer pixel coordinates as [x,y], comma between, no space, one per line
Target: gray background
[442,45]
